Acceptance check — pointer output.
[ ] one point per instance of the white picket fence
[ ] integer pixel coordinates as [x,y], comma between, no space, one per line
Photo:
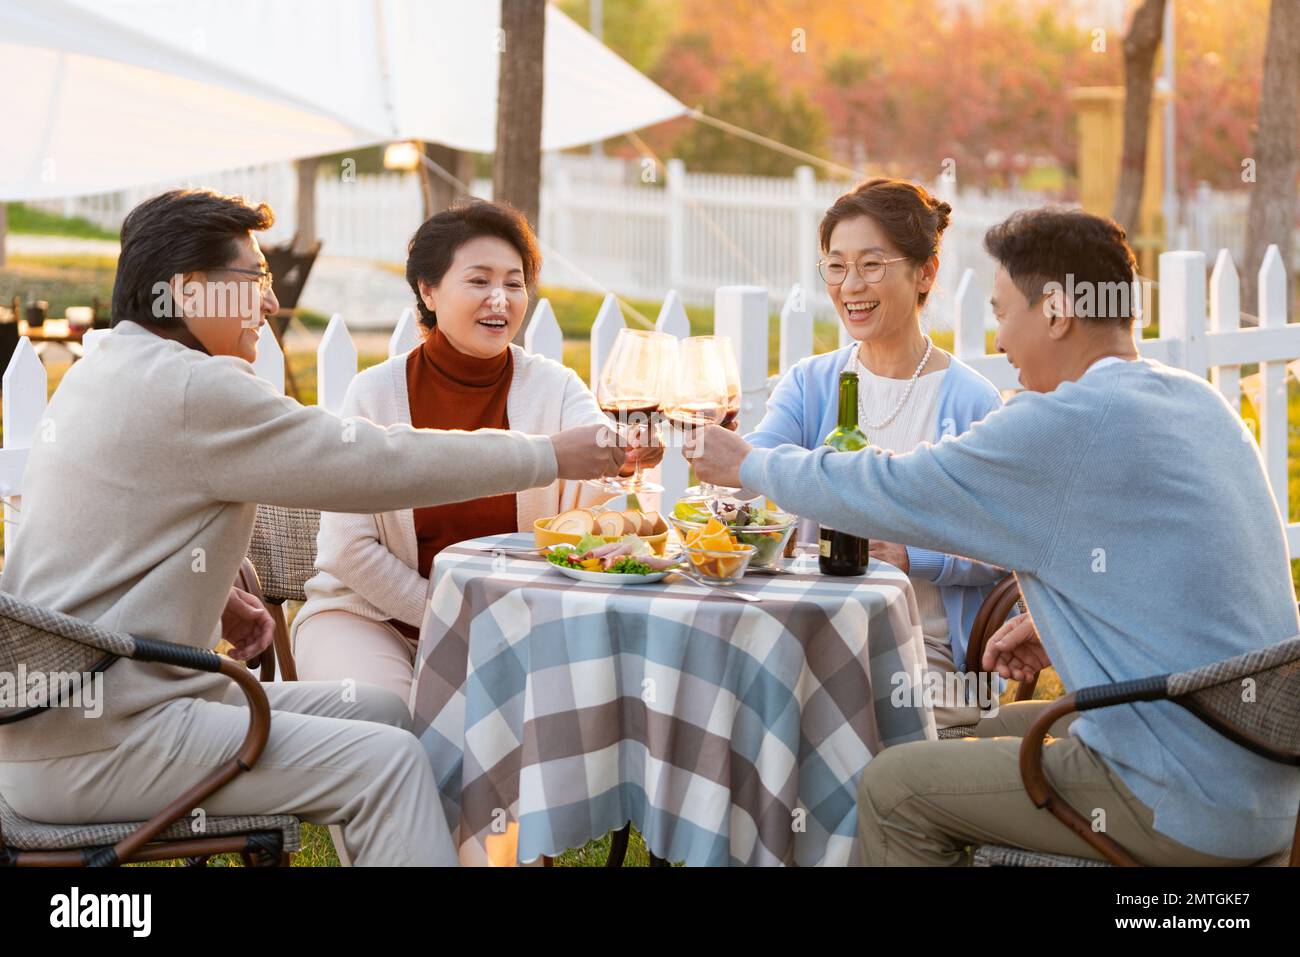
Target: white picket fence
[1199,331]
[602,228]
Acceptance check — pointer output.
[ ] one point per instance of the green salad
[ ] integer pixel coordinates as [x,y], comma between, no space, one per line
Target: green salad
[744,520]
[566,556]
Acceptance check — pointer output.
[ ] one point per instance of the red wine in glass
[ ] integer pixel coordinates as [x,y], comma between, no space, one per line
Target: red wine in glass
[630,391]
[634,412]
[688,417]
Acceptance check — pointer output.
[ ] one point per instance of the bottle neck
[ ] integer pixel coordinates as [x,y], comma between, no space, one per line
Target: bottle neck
[848,402]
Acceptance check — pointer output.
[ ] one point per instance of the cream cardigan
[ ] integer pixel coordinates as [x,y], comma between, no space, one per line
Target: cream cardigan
[368,564]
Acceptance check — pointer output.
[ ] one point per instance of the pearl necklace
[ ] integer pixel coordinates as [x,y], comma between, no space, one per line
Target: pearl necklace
[902,401]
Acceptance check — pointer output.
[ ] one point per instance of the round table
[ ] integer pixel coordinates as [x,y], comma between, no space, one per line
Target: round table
[728,732]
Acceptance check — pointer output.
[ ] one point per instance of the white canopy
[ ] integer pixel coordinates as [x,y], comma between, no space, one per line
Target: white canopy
[97,95]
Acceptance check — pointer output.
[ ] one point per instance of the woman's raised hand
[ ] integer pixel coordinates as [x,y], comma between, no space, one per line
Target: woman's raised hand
[643,449]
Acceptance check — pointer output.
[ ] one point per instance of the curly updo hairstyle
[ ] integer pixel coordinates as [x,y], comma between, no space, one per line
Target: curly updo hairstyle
[433,247]
[911,218]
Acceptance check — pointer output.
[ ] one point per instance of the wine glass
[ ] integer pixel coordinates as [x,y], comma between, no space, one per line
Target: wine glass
[630,391]
[705,391]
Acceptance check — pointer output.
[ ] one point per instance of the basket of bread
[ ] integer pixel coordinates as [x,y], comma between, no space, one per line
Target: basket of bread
[569,528]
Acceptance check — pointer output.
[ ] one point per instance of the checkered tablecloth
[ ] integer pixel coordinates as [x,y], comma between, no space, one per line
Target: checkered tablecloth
[727,732]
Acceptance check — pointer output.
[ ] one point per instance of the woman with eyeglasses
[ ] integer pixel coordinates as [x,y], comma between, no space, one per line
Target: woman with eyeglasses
[880,252]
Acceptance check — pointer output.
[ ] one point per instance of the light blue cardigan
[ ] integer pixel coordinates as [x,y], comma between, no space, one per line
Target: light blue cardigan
[804,408]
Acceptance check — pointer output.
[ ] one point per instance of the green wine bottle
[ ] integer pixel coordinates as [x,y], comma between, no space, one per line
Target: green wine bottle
[840,552]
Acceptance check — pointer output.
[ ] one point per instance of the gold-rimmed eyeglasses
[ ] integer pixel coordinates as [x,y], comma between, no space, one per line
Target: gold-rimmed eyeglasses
[870,268]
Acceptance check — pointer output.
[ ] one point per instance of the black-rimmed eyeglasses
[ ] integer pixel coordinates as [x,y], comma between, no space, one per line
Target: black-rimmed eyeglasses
[264,277]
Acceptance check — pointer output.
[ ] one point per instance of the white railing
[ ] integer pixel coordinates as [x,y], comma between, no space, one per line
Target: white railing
[1199,331]
[275,184]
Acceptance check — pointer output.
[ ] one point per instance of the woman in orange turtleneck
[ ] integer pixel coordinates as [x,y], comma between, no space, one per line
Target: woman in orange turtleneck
[470,267]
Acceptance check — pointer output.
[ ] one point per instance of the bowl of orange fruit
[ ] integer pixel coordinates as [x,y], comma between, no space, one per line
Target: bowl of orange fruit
[714,556]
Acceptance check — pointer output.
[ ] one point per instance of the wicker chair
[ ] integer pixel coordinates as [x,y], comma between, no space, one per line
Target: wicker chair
[1268,725]
[282,556]
[50,642]
[1004,596]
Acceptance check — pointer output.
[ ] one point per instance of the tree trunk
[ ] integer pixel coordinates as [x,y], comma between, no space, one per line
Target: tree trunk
[1140,47]
[1273,196]
[517,171]
[304,236]
[456,162]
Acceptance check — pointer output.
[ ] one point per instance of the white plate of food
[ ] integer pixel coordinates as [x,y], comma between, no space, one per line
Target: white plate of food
[610,563]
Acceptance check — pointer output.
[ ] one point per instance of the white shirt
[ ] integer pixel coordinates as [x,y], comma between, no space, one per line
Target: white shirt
[1102,363]
[877,398]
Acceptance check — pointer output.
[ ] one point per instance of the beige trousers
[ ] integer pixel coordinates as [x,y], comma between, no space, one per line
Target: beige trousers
[938,660]
[337,645]
[924,802]
[335,755]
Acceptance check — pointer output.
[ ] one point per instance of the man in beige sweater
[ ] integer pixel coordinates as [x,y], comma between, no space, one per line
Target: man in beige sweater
[139,499]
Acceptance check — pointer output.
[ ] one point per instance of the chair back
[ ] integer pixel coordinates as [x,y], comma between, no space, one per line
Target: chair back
[45,653]
[283,550]
[291,270]
[1002,598]
[8,338]
[1254,699]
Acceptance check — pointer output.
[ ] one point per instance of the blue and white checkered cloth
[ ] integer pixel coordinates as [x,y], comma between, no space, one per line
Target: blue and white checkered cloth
[727,732]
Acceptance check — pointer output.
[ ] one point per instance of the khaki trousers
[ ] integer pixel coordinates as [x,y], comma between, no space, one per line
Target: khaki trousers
[924,802]
[947,714]
[337,645]
[335,755]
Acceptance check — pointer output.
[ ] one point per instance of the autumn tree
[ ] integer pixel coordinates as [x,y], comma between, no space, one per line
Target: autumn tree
[517,172]
[1140,46]
[1272,214]
[517,169]
[637,30]
[751,98]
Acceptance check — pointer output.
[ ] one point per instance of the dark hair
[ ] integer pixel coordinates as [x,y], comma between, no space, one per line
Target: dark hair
[180,231]
[434,245]
[909,216]
[1039,246]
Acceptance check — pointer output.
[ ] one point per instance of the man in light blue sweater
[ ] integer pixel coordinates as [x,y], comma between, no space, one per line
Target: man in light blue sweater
[1132,503]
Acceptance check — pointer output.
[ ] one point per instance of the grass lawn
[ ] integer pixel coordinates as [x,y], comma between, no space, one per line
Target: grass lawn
[61,281]
[318,851]
[27,219]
